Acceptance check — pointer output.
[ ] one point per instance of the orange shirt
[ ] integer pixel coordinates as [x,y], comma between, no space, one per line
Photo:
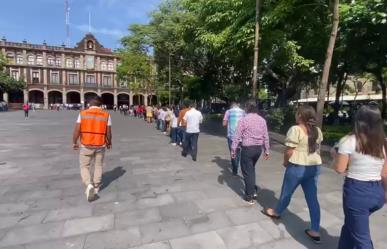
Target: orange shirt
[180,120]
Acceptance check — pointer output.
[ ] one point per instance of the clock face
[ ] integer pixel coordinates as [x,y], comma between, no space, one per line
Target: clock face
[90,62]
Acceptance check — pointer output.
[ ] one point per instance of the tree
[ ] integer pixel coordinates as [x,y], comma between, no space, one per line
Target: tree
[327,64]
[7,83]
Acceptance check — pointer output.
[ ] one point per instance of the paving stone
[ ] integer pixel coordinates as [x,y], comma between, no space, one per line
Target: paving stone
[158,245]
[88,225]
[281,244]
[113,207]
[67,243]
[68,213]
[22,219]
[210,240]
[137,217]
[245,215]
[159,200]
[24,235]
[10,208]
[217,204]
[116,239]
[179,210]
[208,222]
[163,231]
[244,236]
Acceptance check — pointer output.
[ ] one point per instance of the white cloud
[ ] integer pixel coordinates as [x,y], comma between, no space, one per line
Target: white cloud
[104,31]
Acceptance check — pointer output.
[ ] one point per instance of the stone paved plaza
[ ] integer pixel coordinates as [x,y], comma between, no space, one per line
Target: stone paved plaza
[152,198]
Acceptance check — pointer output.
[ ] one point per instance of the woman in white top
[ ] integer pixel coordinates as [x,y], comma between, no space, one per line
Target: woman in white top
[362,156]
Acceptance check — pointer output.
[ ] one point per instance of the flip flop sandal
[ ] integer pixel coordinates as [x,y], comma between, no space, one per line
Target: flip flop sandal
[276,217]
[315,239]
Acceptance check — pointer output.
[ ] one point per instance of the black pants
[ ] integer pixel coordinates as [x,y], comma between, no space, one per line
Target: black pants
[249,157]
[190,145]
[26,113]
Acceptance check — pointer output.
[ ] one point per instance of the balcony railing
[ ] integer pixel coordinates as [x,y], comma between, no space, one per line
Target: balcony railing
[90,85]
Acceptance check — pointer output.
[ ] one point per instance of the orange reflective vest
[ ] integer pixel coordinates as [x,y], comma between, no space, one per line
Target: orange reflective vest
[94,127]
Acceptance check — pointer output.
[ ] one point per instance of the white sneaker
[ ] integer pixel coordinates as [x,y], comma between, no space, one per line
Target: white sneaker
[96,190]
[173,144]
[90,192]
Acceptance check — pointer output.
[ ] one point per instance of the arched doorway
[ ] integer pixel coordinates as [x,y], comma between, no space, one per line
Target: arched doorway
[36,97]
[152,100]
[73,98]
[138,99]
[89,95]
[16,97]
[108,100]
[123,99]
[55,97]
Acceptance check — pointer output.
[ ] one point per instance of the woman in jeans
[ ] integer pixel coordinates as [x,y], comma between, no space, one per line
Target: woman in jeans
[302,161]
[252,133]
[362,156]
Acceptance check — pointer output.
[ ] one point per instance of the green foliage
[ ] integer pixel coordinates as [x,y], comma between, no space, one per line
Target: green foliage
[7,83]
[280,119]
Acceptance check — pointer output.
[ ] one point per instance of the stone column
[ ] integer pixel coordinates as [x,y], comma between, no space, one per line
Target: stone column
[131,98]
[45,77]
[5,97]
[115,97]
[64,96]
[145,99]
[44,59]
[45,98]
[99,92]
[25,95]
[82,97]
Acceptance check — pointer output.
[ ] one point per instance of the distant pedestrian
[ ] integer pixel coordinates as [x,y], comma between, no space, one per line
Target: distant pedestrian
[193,118]
[230,120]
[93,127]
[252,135]
[149,114]
[303,162]
[362,157]
[26,108]
[174,135]
[181,123]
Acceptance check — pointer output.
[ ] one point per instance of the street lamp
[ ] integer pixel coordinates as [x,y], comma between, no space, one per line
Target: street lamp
[256,46]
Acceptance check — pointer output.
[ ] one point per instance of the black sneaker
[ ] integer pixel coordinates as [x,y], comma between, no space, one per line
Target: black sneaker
[315,239]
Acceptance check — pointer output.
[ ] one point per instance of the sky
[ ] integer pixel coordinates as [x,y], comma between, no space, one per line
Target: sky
[44,20]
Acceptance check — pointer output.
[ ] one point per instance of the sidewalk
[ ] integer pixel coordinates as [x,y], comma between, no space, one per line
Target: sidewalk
[152,198]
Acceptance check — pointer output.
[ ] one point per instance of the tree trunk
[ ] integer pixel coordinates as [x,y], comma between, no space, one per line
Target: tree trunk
[384,95]
[327,64]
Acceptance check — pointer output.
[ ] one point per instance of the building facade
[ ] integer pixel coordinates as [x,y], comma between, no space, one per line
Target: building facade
[60,75]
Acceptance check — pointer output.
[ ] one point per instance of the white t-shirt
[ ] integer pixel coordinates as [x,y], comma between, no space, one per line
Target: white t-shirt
[193,118]
[95,107]
[174,121]
[162,114]
[361,167]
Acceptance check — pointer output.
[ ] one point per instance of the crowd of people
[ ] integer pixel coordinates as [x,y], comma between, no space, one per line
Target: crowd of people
[360,156]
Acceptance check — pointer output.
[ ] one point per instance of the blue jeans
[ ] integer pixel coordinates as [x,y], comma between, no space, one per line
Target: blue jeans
[234,161]
[307,177]
[360,200]
[181,134]
[174,135]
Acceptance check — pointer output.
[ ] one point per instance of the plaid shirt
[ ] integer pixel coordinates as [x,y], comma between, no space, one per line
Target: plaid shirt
[232,117]
[251,130]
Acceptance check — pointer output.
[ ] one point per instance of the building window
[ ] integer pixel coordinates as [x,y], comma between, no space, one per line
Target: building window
[90,79]
[35,77]
[69,63]
[103,66]
[11,58]
[31,60]
[90,45]
[15,74]
[55,78]
[39,60]
[110,66]
[58,62]
[73,79]
[51,61]
[77,63]
[107,80]
[19,59]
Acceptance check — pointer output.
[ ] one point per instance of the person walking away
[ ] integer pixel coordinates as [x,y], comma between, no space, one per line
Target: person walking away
[174,128]
[362,158]
[93,127]
[168,120]
[149,114]
[193,118]
[303,162]
[26,109]
[252,134]
[230,120]
[162,116]
[182,125]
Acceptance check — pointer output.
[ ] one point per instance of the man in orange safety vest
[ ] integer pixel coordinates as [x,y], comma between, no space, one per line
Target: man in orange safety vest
[93,127]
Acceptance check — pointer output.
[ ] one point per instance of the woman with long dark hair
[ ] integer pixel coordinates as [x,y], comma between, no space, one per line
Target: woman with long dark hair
[362,156]
[302,161]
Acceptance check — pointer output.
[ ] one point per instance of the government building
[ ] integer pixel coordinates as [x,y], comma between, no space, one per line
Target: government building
[61,75]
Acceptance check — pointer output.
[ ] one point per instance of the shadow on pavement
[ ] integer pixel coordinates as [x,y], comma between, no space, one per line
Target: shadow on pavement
[112,175]
[294,225]
[233,182]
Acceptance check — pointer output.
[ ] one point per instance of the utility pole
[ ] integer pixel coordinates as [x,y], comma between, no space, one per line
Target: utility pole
[169,78]
[256,49]
[67,21]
